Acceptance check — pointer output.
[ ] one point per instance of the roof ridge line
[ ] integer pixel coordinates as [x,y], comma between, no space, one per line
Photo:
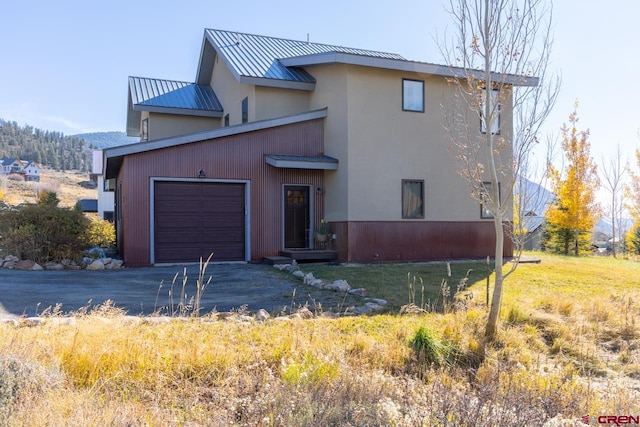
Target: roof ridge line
[304,42]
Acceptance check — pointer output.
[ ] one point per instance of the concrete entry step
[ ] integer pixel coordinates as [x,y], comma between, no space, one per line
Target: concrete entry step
[310,255]
[273,260]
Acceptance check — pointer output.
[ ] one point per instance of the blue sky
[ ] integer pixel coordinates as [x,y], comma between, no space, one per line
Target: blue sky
[64,65]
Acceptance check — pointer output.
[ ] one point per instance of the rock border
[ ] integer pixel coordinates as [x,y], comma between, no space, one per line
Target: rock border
[12,262]
[370,304]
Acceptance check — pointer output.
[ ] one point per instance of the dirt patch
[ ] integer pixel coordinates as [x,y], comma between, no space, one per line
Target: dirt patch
[70,186]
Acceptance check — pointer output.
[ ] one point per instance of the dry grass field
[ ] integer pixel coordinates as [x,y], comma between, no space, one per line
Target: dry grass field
[568,348]
[65,184]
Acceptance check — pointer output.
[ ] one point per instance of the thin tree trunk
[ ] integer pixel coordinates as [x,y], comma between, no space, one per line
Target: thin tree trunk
[496,299]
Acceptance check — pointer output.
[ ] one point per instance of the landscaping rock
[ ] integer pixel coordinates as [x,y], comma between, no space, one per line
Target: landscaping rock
[299,274]
[10,261]
[339,286]
[55,266]
[361,292]
[317,283]
[374,307]
[96,265]
[32,321]
[262,315]
[308,278]
[25,264]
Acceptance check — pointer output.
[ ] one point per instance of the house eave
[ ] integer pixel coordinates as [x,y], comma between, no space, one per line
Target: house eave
[278,83]
[302,162]
[113,156]
[402,65]
[177,111]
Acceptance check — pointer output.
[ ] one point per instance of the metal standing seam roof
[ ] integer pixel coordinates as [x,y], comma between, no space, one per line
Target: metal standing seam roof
[258,56]
[171,94]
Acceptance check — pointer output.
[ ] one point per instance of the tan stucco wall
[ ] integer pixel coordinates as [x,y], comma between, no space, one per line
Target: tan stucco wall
[331,92]
[230,93]
[378,145]
[264,102]
[275,102]
[167,125]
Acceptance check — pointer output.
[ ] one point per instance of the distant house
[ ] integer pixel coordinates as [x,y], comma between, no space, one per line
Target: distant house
[32,171]
[12,165]
[105,204]
[535,230]
[274,136]
[29,170]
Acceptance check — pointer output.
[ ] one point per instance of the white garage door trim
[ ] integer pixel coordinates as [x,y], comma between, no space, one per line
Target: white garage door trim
[247,211]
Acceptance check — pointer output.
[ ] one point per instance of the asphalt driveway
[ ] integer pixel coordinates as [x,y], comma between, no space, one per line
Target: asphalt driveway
[142,291]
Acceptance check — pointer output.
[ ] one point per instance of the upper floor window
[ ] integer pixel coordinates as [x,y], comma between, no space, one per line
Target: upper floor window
[495,105]
[413,95]
[144,132]
[245,110]
[486,210]
[412,199]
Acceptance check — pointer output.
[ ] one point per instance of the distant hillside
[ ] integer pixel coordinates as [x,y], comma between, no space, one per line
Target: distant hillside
[536,197]
[102,140]
[49,148]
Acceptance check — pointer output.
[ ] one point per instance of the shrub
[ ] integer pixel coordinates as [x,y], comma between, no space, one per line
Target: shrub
[101,233]
[44,232]
[21,380]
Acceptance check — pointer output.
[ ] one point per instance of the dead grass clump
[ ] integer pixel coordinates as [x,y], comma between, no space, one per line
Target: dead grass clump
[22,381]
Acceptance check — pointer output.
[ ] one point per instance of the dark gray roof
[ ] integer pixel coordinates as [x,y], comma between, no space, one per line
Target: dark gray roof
[149,94]
[272,61]
[251,55]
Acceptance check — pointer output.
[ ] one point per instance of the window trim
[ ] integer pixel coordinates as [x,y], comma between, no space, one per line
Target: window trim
[144,129]
[245,110]
[484,214]
[404,106]
[421,215]
[498,122]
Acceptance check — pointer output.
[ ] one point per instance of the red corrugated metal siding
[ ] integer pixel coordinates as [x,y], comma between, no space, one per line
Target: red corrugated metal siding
[416,241]
[237,157]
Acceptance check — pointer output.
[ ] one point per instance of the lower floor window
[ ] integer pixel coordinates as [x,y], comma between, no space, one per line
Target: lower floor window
[412,199]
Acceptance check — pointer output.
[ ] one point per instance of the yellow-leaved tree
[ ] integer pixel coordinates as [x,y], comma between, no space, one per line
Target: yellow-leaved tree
[633,204]
[572,216]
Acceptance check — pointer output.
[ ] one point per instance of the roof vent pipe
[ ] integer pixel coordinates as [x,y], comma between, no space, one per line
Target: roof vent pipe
[239,39]
[307,38]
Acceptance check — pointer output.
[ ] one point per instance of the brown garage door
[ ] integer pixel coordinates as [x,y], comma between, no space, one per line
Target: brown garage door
[194,219]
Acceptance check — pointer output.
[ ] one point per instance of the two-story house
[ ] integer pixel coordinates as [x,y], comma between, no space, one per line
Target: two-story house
[29,170]
[275,135]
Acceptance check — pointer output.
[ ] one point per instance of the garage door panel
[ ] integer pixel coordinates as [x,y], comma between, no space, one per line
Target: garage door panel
[185,221]
[178,205]
[175,237]
[194,219]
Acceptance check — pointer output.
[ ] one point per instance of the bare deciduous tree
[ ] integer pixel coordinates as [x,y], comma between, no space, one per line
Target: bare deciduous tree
[614,174]
[498,58]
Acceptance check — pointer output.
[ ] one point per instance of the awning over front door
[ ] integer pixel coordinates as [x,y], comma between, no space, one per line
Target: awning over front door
[301,162]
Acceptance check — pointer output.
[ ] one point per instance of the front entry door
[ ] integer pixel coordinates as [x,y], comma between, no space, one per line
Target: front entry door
[296,216]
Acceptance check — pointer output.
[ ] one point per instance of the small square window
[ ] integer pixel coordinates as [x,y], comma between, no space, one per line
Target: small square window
[495,102]
[413,95]
[412,199]
[485,211]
